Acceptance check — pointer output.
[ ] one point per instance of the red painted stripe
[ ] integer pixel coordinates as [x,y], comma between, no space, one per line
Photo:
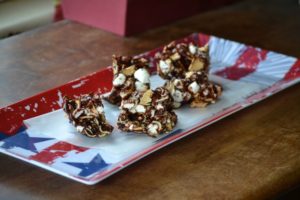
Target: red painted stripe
[294,72]
[245,64]
[203,39]
[55,151]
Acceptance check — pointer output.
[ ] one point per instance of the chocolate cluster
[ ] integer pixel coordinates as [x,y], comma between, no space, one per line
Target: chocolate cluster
[148,112]
[194,89]
[176,59]
[130,75]
[86,113]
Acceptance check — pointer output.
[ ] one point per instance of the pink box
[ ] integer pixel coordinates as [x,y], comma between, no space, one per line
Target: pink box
[126,17]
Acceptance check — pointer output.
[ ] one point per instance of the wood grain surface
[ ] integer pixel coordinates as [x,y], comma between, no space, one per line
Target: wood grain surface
[253,154]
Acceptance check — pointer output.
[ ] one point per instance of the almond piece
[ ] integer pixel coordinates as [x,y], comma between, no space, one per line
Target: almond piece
[188,74]
[146,98]
[129,71]
[196,65]
[175,56]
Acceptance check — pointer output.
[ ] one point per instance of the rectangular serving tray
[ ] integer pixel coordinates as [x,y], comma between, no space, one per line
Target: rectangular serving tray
[36,131]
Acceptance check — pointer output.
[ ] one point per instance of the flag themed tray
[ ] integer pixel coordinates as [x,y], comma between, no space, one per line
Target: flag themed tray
[35,130]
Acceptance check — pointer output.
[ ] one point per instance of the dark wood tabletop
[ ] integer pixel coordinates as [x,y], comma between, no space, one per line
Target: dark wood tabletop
[253,154]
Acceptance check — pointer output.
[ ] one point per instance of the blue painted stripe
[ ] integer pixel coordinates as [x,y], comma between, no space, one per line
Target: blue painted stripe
[4,136]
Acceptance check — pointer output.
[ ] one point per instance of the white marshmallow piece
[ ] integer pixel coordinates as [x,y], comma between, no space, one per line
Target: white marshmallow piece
[141,87]
[100,109]
[140,109]
[205,92]
[177,96]
[194,87]
[142,75]
[79,128]
[128,106]
[164,66]
[119,80]
[152,113]
[131,127]
[159,106]
[192,49]
[153,129]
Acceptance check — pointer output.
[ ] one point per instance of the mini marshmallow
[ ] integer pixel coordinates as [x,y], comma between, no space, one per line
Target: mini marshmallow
[140,109]
[141,87]
[100,109]
[133,110]
[128,105]
[152,113]
[194,87]
[79,128]
[177,96]
[164,66]
[119,80]
[142,75]
[152,129]
[131,127]
[192,49]
[205,92]
[159,107]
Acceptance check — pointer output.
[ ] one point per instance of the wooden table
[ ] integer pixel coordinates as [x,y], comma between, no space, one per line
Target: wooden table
[253,154]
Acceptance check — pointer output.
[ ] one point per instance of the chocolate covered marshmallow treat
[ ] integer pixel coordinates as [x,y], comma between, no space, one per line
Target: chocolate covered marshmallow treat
[130,75]
[195,89]
[86,113]
[176,59]
[149,112]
